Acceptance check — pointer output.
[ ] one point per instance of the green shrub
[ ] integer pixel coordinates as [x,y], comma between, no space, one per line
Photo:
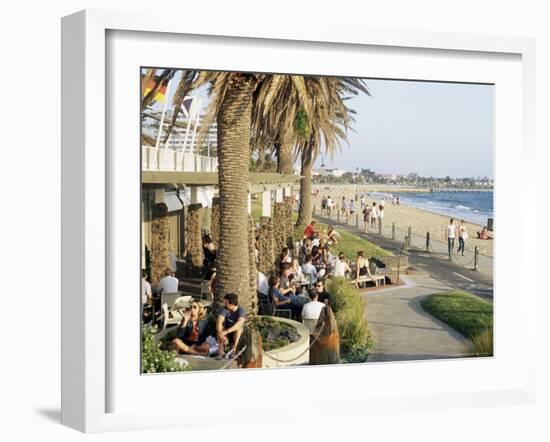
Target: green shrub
[153,358]
[347,304]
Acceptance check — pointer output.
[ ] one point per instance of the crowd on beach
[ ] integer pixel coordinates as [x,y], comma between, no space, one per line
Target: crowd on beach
[393,212]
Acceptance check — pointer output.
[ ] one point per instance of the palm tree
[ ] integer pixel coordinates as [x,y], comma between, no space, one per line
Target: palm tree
[326,126]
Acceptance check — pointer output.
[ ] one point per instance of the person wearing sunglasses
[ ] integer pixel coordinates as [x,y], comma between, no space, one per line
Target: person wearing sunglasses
[191,333]
[323,295]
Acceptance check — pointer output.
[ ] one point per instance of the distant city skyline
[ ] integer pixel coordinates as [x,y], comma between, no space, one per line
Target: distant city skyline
[429,128]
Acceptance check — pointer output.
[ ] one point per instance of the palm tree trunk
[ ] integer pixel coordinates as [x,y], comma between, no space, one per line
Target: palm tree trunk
[215,222]
[234,119]
[306,205]
[284,159]
[266,254]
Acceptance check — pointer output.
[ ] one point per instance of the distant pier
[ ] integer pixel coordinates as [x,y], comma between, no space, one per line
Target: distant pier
[452,190]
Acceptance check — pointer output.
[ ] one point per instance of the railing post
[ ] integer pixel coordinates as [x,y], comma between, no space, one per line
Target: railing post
[476,257]
[393,231]
[427,241]
[380,226]
[409,233]
[356,220]
[338,214]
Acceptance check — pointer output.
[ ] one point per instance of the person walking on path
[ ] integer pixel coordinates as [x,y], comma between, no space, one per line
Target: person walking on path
[462,236]
[366,216]
[450,237]
[380,218]
[373,215]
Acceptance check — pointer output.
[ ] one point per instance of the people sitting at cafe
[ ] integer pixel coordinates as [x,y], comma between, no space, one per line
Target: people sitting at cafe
[296,271]
[332,235]
[309,268]
[324,296]
[317,257]
[146,297]
[310,230]
[312,309]
[191,334]
[361,268]
[168,284]
[281,301]
[286,287]
[306,249]
[341,266]
[263,286]
[285,256]
[230,325]
[208,250]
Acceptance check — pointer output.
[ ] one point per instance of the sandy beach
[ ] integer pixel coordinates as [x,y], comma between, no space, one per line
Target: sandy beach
[420,221]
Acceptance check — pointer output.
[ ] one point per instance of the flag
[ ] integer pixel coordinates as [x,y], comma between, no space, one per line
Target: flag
[160,94]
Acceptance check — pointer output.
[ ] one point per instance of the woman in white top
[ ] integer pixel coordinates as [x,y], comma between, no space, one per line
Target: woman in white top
[341,267]
[296,271]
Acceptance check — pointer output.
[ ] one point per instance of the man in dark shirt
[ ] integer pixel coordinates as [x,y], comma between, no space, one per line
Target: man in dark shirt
[323,294]
[230,324]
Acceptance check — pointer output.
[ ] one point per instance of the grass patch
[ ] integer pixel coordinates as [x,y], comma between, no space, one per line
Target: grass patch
[347,304]
[467,314]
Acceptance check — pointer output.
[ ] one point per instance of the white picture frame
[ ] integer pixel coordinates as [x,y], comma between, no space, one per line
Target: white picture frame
[87,216]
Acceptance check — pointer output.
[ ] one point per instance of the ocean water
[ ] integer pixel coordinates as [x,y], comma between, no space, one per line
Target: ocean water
[474,207]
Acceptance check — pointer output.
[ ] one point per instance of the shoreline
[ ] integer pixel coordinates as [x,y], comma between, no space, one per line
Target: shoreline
[404,216]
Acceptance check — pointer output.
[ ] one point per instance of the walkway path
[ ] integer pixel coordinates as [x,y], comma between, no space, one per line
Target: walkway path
[402,330]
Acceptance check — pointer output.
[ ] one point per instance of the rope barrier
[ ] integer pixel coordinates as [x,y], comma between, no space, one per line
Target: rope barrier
[233,358]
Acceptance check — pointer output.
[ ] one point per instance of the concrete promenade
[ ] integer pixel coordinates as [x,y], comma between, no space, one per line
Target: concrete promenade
[403,331]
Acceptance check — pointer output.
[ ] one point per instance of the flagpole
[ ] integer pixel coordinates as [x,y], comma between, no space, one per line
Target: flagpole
[161,124]
[183,148]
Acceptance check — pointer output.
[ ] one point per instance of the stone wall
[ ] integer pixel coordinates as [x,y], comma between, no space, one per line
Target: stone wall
[266,255]
[193,237]
[160,245]
[279,228]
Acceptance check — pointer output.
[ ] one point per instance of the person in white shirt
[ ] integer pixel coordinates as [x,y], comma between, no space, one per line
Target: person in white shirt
[341,267]
[168,284]
[146,294]
[450,236]
[462,236]
[263,285]
[173,262]
[373,215]
[380,217]
[312,309]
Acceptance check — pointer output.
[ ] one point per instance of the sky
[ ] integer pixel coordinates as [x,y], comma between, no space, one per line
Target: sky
[433,129]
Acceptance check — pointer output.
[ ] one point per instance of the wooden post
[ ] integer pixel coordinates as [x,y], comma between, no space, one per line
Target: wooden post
[380,226]
[476,257]
[338,214]
[393,231]
[409,234]
[427,241]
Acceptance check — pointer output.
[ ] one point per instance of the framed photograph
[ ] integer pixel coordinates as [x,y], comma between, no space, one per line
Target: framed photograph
[257,216]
